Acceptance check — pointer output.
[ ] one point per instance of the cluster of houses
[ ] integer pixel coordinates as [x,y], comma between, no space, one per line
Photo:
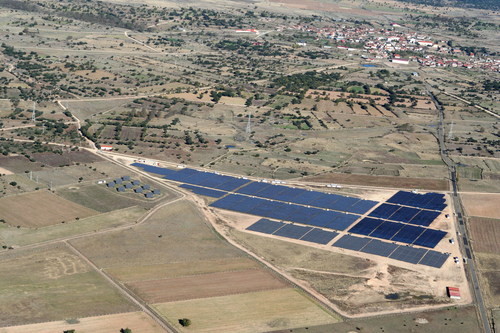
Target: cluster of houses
[125,183]
[376,43]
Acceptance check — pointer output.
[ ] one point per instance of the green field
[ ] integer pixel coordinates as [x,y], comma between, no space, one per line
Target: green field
[59,285]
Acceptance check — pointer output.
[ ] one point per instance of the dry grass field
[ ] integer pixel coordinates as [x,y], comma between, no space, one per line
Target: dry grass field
[251,312]
[382,181]
[177,269]
[53,283]
[485,234]
[489,268]
[41,208]
[205,285]
[484,205]
[67,158]
[136,321]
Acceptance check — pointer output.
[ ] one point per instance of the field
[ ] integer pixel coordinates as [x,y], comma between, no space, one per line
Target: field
[205,285]
[11,236]
[136,321]
[484,205]
[98,197]
[382,181]
[489,269]
[250,312]
[485,234]
[59,285]
[45,209]
[449,320]
[68,158]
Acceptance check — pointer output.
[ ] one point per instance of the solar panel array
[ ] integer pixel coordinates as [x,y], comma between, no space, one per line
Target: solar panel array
[394,251]
[306,197]
[315,217]
[307,234]
[399,232]
[405,214]
[433,201]
[204,191]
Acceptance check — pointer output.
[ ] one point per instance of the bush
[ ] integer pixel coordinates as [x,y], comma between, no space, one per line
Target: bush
[185,322]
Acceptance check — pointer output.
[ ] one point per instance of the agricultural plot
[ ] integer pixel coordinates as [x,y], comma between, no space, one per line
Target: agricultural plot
[59,285]
[40,208]
[18,164]
[205,285]
[485,234]
[483,205]
[67,158]
[489,269]
[249,312]
[136,321]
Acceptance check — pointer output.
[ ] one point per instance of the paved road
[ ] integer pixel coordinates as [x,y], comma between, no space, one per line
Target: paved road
[464,240]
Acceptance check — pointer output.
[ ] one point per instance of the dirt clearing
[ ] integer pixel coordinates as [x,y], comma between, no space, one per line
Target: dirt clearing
[40,208]
[205,285]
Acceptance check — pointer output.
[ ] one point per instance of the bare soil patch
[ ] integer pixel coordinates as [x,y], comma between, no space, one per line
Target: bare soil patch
[18,164]
[205,285]
[485,234]
[40,208]
[485,205]
[136,321]
[382,181]
[67,158]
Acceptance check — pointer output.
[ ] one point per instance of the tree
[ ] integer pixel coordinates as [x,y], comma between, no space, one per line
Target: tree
[126,330]
[185,322]
[69,331]
[13,183]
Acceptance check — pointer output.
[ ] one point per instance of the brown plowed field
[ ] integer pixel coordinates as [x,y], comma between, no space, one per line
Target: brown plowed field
[205,285]
[40,208]
[68,158]
[382,181]
[485,234]
[485,205]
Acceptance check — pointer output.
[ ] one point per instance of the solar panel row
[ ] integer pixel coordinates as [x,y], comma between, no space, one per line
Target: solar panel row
[390,250]
[204,191]
[434,201]
[288,212]
[305,197]
[307,234]
[399,232]
[404,214]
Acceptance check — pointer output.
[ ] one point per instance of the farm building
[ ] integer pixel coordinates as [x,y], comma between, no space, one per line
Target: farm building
[128,185]
[138,190]
[136,182]
[146,187]
[120,189]
[453,292]
[111,184]
[106,148]
[401,61]
[156,191]
[126,178]
[149,195]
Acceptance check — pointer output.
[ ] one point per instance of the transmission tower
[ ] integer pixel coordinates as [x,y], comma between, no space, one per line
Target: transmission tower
[33,115]
[249,124]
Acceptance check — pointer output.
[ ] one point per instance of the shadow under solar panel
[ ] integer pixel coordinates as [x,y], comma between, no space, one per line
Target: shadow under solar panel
[408,254]
[365,226]
[379,248]
[351,242]
[266,226]
[434,259]
[430,238]
[319,236]
[292,231]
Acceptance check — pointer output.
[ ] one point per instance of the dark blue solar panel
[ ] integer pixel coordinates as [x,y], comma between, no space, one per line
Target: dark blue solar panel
[253,188]
[344,203]
[352,242]
[408,234]
[323,218]
[408,254]
[425,217]
[379,248]
[265,226]
[292,231]
[301,214]
[434,259]
[308,197]
[154,169]
[387,230]
[430,238]
[204,191]
[384,211]
[343,221]
[319,236]
[325,200]
[362,206]
[434,201]
[404,214]
[365,226]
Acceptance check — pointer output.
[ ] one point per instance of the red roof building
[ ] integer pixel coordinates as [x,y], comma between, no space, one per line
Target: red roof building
[453,292]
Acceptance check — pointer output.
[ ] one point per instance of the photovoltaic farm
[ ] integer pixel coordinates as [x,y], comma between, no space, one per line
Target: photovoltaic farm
[402,222]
